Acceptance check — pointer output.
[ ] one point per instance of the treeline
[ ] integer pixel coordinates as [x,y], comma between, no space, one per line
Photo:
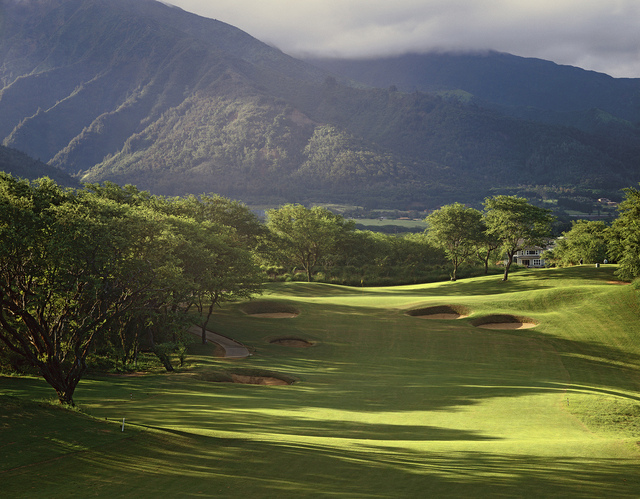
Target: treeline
[102,273]
[106,272]
[590,241]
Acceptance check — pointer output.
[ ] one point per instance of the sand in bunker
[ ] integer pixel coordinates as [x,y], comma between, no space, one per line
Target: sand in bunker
[508,325]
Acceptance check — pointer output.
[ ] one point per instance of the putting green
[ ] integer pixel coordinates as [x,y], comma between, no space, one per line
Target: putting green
[385,405]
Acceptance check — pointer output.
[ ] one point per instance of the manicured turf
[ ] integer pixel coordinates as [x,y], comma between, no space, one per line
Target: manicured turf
[385,405]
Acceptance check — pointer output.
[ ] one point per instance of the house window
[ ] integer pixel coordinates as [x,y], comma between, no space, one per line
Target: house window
[532,252]
[537,263]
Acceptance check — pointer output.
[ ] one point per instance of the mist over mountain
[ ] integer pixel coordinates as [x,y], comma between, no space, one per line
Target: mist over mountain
[144,93]
[524,87]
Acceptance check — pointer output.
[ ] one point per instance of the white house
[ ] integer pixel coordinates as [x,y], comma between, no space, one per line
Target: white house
[531,256]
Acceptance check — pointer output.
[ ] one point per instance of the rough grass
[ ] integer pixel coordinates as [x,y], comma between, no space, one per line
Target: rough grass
[384,406]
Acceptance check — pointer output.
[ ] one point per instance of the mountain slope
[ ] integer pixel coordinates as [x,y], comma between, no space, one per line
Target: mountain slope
[524,87]
[140,92]
[20,165]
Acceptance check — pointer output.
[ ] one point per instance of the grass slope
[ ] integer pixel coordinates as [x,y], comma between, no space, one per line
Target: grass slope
[386,405]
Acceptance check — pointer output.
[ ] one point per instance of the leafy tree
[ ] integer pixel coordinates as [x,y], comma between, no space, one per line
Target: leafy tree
[304,237]
[586,242]
[223,212]
[215,268]
[69,267]
[455,228]
[625,236]
[516,223]
[207,241]
[485,245]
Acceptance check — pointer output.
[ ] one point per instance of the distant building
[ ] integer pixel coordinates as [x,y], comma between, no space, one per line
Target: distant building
[531,256]
[607,202]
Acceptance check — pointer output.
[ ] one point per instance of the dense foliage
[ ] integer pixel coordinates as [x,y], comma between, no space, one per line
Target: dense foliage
[586,242]
[107,267]
[625,236]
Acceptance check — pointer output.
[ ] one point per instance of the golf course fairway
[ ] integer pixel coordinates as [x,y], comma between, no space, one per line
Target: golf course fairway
[382,404]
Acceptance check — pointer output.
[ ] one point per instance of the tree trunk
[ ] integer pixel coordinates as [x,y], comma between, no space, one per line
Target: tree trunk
[206,322]
[64,386]
[506,268]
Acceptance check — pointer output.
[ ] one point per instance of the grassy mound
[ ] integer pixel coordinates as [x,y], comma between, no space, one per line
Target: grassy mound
[270,309]
[247,377]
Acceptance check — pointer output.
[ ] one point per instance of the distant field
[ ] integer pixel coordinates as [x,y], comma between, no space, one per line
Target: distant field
[376,222]
[385,405]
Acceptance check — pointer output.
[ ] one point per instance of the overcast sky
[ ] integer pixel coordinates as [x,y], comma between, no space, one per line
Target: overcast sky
[602,35]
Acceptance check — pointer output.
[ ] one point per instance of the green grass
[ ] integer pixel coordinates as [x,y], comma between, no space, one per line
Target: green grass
[377,222]
[385,405]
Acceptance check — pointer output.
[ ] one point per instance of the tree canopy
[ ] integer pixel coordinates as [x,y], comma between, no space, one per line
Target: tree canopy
[516,224]
[456,229]
[586,242]
[305,236]
[625,236]
[81,265]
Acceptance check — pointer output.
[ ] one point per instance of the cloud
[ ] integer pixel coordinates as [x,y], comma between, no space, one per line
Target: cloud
[593,34]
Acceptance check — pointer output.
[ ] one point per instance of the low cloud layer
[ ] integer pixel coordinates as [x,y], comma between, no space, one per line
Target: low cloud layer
[593,34]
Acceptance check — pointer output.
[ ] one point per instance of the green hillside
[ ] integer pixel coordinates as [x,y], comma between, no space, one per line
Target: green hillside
[20,165]
[525,87]
[385,404]
[144,93]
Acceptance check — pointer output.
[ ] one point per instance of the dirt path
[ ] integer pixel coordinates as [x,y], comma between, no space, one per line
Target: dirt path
[232,349]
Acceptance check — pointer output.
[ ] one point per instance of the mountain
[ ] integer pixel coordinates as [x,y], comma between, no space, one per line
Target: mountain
[524,87]
[135,91]
[20,165]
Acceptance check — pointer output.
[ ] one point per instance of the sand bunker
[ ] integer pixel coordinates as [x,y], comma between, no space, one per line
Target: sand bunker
[247,377]
[504,322]
[292,342]
[270,309]
[442,312]
[258,380]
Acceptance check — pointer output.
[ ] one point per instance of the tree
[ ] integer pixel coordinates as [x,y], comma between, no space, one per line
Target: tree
[223,212]
[215,267]
[455,229]
[208,260]
[624,236]
[516,223]
[303,236]
[485,244]
[70,266]
[586,242]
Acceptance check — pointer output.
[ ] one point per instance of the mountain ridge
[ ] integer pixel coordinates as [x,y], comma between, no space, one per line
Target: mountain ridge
[179,104]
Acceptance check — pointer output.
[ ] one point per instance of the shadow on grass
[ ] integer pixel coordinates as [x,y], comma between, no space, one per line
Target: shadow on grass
[161,463]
